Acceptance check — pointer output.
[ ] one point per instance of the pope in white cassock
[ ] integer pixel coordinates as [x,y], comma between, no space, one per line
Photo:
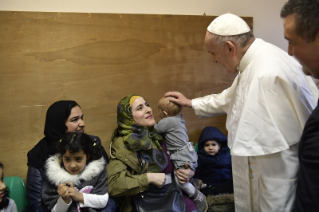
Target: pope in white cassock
[267,107]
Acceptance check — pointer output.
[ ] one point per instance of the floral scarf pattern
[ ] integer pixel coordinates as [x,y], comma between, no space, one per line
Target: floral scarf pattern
[144,140]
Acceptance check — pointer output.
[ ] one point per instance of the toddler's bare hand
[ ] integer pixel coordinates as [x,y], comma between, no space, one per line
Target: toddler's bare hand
[63,191]
[75,195]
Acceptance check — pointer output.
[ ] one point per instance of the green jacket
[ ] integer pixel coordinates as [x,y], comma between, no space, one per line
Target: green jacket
[124,180]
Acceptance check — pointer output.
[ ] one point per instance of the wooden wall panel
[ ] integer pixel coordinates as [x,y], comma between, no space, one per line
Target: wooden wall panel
[96,59]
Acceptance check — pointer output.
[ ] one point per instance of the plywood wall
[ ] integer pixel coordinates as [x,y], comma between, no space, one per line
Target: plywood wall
[96,59]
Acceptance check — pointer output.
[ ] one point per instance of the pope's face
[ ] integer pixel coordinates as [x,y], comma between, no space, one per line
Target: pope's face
[220,54]
[307,53]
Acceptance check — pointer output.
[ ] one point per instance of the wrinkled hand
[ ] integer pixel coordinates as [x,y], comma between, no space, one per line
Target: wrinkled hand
[157,179]
[184,175]
[75,195]
[63,191]
[178,98]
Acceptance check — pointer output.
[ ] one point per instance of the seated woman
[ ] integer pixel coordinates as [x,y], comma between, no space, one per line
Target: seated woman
[61,117]
[6,204]
[136,131]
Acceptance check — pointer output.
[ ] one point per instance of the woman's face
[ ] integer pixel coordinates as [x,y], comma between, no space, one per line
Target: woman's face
[142,113]
[75,122]
[2,185]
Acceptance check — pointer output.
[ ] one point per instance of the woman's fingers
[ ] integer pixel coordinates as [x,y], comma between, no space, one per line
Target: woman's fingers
[157,179]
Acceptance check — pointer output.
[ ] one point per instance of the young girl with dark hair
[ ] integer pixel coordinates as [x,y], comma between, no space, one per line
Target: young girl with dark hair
[75,178]
[6,204]
[61,117]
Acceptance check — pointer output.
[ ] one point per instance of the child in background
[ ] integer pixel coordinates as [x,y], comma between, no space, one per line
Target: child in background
[173,127]
[76,178]
[214,162]
[6,204]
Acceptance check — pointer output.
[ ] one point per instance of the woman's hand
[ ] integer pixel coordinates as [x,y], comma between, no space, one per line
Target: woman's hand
[183,175]
[75,195]
[178,98]
[63,191]
[157,179]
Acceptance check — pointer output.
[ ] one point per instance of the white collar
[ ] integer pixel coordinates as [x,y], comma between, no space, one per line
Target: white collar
[246,59]
[57,174]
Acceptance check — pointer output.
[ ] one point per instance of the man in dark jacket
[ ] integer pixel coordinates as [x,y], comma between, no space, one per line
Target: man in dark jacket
[301,29]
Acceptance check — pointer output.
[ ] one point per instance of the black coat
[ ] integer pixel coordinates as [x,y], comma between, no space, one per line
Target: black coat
[307,193]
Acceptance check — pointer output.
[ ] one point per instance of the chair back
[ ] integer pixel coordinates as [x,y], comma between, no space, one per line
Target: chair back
[17,191]
[196,147]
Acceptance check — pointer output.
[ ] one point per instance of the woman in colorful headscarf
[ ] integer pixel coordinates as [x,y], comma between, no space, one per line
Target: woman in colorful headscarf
[61,117]
[138,155]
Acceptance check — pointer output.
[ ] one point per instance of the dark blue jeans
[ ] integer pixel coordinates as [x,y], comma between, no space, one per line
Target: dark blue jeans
[111,206]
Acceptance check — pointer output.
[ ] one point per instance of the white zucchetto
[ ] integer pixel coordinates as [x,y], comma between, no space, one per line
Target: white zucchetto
[227,25]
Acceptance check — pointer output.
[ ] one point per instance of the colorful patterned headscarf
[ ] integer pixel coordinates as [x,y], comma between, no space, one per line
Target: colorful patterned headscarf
[143,140]
[135,137]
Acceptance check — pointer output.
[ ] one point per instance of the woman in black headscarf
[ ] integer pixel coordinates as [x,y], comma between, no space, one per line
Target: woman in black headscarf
[62,116]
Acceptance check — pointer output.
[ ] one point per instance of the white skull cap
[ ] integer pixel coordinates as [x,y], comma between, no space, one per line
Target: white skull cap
[228,24]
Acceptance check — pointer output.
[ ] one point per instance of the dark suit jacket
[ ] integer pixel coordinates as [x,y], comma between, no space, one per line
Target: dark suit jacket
[307,194]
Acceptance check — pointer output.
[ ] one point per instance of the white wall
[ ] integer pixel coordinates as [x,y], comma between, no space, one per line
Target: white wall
[266,13]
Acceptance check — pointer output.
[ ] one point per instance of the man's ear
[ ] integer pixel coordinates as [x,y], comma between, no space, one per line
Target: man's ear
[231,48]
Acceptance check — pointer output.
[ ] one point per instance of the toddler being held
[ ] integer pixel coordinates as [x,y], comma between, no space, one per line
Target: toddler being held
[173,127]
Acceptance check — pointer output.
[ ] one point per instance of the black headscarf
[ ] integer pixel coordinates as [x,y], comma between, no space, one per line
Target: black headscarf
[54,129]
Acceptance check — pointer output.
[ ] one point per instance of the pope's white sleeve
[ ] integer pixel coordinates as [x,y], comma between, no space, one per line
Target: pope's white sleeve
[214,104]
[95,200]
[61,206]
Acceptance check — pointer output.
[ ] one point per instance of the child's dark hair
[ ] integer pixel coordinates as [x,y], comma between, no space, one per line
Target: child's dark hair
[217,141]
[5,200]
[75,142]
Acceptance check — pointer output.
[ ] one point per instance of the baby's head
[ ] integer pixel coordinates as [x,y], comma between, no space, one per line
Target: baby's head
[167,108]
[76,150]
[4,191]
[212,146]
